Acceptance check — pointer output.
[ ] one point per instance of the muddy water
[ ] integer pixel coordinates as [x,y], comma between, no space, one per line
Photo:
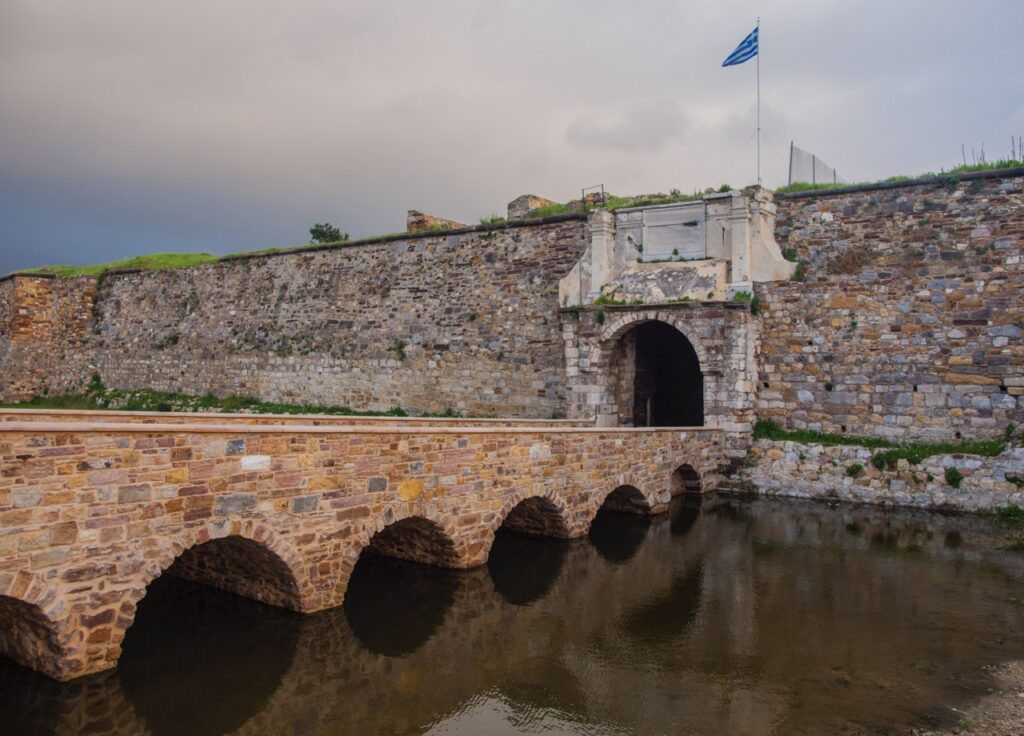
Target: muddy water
[731,617]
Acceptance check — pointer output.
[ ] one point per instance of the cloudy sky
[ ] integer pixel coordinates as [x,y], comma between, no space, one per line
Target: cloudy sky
[134,126]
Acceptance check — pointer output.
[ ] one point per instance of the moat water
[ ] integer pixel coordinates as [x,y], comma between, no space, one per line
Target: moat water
[734,616]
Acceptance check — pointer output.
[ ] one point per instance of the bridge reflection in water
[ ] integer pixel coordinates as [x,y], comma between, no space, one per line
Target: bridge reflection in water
[737,616]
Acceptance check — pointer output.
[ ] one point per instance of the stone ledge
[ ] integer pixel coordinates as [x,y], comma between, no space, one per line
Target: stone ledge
[126,428]
[242,416]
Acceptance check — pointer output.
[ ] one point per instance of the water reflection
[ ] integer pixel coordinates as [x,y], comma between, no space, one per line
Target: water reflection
[668,615]
[394,606]
[523,568]
[683,514]
[617,536]
[184,654]
[743,616]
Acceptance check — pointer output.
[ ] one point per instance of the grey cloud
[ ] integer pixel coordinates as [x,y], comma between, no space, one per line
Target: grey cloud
[130,125]
[643,126]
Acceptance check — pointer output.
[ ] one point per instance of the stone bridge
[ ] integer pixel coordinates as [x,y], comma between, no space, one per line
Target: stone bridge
[279,510]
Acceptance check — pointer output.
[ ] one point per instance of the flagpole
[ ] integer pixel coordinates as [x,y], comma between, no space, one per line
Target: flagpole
[759,100]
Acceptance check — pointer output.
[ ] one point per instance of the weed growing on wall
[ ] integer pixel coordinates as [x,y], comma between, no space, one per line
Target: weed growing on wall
[954,477]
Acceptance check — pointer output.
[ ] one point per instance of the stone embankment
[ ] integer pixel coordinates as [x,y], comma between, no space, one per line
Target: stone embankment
[845,473]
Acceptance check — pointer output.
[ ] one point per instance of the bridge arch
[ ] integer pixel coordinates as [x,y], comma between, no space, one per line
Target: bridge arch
[542,514]
[685,479]
[406,535]
[621,522]
[30,632]
[627,499]
[247,559]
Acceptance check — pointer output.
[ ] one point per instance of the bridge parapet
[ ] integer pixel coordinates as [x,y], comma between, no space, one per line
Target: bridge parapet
[91,513]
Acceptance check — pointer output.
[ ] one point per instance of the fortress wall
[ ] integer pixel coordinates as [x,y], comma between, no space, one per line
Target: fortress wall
[44,327]
[909,322]
[466,320]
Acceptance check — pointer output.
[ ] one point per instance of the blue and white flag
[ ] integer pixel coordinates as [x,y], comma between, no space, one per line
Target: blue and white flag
[746,51]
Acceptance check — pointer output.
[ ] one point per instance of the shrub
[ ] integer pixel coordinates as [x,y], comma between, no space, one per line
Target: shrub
[326,233]
[855,470]
[953,477]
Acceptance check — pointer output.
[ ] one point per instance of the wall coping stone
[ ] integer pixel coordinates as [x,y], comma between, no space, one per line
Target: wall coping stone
[920,181]
[296,417]
[27,274]
[118,428]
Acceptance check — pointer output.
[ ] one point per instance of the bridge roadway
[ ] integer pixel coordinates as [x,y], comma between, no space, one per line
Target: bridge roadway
[93,509]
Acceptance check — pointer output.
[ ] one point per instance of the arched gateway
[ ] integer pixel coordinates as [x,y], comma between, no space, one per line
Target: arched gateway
[656,377]
[679,364]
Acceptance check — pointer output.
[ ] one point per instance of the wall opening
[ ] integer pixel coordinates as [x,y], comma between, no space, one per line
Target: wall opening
[240,566]
[657,378]
[536,516]
[685,480]
[28,637]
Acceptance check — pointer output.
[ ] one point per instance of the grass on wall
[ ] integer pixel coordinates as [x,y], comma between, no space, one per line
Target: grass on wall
[806,186]
[99,397]
[890,453]
[151,262]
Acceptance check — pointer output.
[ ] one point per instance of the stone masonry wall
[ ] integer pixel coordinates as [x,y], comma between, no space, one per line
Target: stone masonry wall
[845,473]
[465,320]
[909,323]
[44,324]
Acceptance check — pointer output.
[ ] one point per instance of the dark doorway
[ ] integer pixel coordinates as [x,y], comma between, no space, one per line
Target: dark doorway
[668,388]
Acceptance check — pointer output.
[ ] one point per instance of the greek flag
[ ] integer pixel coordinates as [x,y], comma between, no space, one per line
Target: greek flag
[746,51]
